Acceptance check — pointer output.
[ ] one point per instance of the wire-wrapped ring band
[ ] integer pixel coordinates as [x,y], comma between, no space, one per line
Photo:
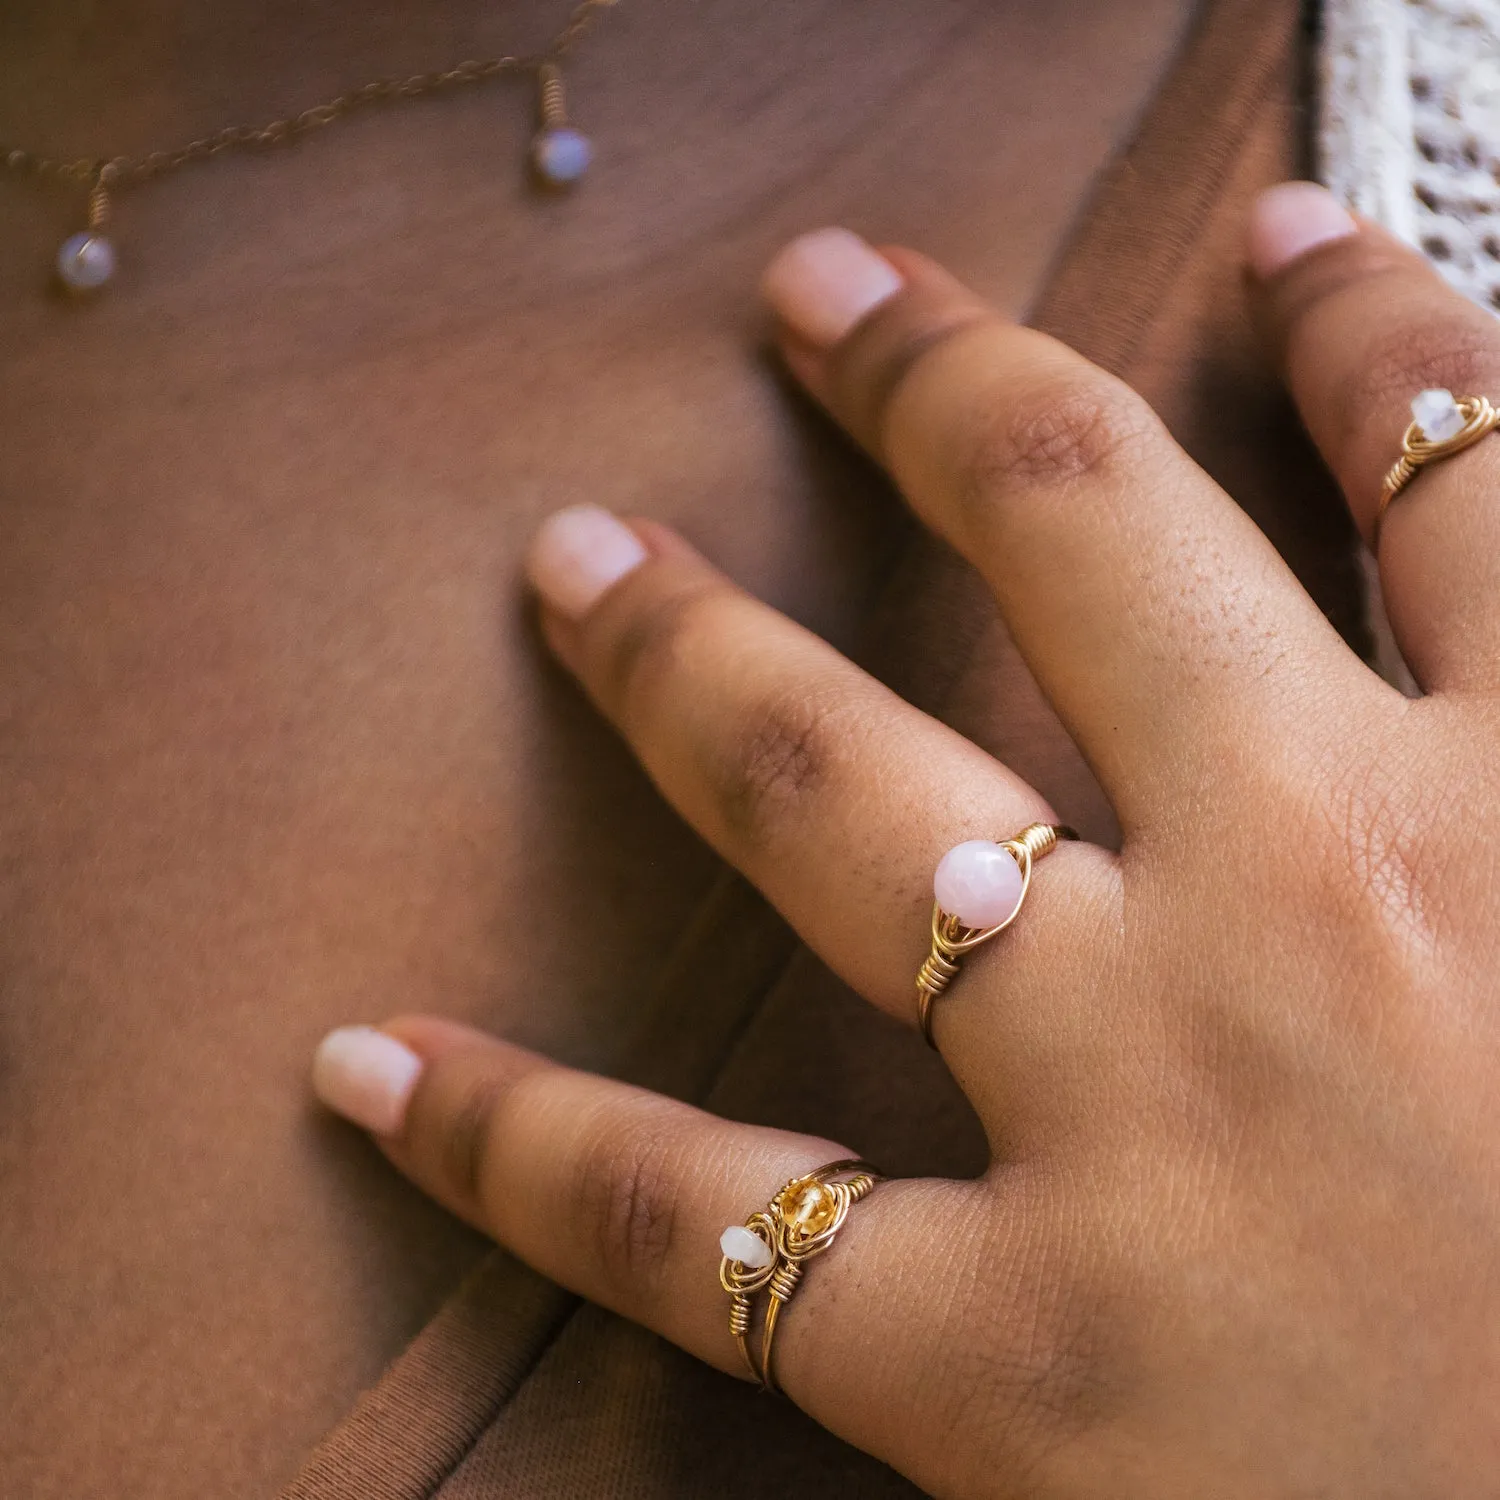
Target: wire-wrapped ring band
[769,1252]
[952,936]
[1480,418]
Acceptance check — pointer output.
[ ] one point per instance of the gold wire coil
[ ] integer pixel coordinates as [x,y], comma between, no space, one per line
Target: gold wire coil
[1480,419]
[951,939]
[99,203]
[800,1222]
[742,1282]
[739,1315]
[552,105]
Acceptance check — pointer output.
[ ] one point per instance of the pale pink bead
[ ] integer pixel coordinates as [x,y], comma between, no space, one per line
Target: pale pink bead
[979,883]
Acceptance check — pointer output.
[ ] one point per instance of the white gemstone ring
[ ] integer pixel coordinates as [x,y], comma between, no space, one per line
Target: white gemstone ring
[1442,425]
[979,889]
[768,1252]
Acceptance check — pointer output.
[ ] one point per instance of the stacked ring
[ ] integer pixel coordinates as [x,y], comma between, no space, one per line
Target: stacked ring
[979,889]
[770,1250]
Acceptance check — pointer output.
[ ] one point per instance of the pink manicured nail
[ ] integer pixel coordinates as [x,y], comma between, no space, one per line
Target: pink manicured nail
[822,284]
[366,1076]
[1291,219]
[578,555]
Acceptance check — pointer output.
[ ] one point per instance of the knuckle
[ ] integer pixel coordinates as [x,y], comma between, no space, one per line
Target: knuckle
[1389,843]
[1072,427]
[784,756]
[625,1195]
[1053,1381]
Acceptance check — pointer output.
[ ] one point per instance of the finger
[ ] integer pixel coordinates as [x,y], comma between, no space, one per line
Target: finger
[621,1196]
[1168,634]
[833,795]
[1362,324]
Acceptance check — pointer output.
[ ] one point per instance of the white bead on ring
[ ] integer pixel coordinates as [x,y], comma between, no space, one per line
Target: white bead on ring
[1443,425]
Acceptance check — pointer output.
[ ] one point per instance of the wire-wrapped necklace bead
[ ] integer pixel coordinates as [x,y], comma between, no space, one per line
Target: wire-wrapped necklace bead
[85,261]
[559,153]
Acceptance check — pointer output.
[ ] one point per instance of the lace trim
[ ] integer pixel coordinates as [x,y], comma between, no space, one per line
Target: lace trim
[1409,128]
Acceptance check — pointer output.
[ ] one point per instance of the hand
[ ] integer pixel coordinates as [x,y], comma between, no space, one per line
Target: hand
[1239,1236]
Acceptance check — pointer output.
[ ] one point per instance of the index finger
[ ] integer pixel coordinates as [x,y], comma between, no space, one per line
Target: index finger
[622,1195]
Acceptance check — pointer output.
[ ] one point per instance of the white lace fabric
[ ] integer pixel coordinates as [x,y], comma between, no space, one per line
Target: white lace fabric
[1409,127]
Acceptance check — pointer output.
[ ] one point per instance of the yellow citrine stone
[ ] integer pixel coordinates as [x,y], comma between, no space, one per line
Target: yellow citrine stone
[807,1208]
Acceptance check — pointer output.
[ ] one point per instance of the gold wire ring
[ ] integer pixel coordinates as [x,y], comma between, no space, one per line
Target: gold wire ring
[1480,419]
[951,939]
[800,1222]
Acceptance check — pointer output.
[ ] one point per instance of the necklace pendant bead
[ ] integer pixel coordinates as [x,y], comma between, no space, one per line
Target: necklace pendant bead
[85,261]
[561,155]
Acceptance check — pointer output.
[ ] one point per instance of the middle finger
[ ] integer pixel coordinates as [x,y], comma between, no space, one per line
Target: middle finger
[1173,641]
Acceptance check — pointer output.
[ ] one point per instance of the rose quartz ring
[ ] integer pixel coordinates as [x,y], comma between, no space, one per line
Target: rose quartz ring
[979,883]
[979,888]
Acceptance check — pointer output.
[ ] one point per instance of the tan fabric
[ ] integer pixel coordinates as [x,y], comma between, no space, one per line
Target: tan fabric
[1150,289]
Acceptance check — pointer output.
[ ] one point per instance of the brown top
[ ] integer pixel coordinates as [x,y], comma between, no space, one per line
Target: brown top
[281,750]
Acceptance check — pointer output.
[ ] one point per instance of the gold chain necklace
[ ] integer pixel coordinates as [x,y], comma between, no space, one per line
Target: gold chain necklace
[559,154]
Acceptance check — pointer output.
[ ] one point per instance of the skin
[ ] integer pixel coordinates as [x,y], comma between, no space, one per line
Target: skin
[1237,1237]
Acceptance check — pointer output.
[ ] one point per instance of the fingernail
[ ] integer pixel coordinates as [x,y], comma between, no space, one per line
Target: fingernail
[1291,219]
[366,1076]
[578,555]
[822,284]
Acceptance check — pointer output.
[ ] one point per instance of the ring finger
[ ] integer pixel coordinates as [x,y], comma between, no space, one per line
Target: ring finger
[833,795]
